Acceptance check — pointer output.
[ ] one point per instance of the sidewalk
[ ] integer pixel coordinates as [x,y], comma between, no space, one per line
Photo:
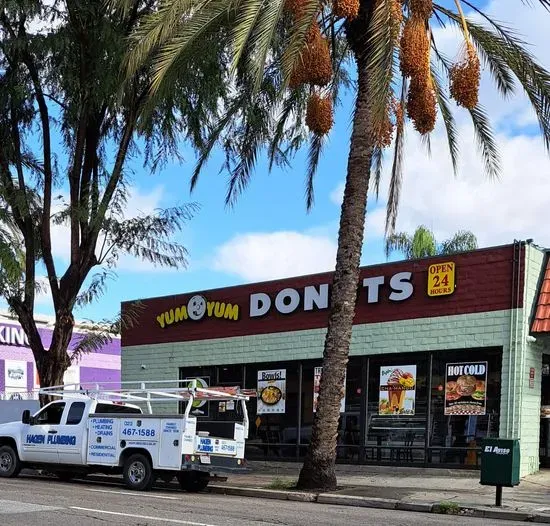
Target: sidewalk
[417,489]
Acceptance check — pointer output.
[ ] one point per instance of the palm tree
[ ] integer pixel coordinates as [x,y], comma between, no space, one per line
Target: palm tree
[279,50]
[422,243]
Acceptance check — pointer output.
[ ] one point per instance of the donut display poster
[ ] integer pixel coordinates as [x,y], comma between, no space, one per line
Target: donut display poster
[465,385]
[271,391]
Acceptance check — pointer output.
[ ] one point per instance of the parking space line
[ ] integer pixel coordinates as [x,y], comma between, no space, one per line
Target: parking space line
[134,494]
[146,517]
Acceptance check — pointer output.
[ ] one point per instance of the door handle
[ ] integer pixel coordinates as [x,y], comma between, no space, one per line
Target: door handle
[52,431]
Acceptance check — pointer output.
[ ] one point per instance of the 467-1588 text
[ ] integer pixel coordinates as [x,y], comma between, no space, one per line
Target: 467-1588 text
[132,432]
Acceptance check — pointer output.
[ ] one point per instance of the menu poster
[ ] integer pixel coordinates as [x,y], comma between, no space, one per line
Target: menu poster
[317,382]
[465,388]
[397,390]
[15,375]
[271,391]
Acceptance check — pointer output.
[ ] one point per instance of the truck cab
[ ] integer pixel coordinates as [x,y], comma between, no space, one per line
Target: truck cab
[57,433]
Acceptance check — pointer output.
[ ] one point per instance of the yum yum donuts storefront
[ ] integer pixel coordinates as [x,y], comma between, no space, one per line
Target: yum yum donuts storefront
[445,352]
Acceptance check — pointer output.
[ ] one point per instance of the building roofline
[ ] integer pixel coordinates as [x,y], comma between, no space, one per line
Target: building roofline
[45,321]
[330,272]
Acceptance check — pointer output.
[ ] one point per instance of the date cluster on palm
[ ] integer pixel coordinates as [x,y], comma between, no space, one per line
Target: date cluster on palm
[314,65]
[415,64]
[422,9]
[319,117]
[396,18]
[345,8]
[313,68]
[465,77]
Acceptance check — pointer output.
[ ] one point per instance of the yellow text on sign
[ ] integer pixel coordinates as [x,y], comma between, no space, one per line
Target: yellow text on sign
[441,279]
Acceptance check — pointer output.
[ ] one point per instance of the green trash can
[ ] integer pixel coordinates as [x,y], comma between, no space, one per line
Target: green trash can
[500,464]
[500,460]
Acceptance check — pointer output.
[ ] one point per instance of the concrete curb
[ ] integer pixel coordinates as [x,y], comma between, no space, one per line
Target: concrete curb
[379,503]
[263,493]
[363,502]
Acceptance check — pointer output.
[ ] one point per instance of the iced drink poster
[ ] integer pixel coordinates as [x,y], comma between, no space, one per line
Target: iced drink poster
[397,390]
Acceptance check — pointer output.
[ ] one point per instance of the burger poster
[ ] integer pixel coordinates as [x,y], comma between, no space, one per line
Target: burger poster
[465,388]
[271,391]
[397,390]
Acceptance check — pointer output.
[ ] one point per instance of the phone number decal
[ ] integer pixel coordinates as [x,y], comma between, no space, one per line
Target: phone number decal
[132,432]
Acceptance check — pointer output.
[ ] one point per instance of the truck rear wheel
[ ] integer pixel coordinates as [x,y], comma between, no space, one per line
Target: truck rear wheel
[138,472]
[193,481]
[10,465]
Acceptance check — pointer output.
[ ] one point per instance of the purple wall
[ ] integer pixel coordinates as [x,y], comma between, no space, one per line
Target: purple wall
[100,366]
[93,374]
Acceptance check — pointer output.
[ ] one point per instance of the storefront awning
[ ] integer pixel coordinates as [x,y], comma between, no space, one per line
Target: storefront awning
[541,322]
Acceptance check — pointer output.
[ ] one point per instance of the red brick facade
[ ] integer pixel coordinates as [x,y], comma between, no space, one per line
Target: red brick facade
[483,284]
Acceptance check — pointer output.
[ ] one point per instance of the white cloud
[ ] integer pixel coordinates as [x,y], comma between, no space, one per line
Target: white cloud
[497,211]
[274,255]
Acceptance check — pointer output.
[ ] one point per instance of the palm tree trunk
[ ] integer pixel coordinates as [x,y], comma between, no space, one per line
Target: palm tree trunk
[318,469]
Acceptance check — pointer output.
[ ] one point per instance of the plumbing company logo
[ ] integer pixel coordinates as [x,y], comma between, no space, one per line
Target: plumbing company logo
[196,309]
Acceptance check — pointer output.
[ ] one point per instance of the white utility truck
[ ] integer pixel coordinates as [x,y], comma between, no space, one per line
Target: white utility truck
[97,430]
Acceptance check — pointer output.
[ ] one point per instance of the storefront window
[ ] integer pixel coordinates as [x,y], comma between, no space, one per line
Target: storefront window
[414,408]
[455,436]
[273,421]
[397,408]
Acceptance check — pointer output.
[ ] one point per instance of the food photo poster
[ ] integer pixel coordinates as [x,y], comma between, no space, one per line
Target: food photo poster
[397,390]
[465,388]
[271,391]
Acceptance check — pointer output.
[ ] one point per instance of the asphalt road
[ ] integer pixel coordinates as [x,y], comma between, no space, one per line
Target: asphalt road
[33,501]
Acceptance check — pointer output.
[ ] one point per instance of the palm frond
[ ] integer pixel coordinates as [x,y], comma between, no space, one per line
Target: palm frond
[295,44]
[154,30]
[377,164]
[396,177]
[381,62]
[204,20]
[260,39]
[486,142]
[315,148]
[448,119]
[506,48]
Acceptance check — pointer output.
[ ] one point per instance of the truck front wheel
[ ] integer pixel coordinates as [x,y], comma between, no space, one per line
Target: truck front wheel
[10,465]
[192,481]
[138,472]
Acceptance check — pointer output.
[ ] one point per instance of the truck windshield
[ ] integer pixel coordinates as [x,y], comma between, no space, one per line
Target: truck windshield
[51,414]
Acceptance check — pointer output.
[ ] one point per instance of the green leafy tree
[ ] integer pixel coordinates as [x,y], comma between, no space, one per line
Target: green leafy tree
[422,243]
[69,123]
[279,63]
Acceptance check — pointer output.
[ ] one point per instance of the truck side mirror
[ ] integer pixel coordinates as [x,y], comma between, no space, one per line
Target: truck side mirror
[26,417]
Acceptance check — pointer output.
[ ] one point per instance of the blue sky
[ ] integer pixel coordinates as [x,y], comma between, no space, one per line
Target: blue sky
[269,234]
